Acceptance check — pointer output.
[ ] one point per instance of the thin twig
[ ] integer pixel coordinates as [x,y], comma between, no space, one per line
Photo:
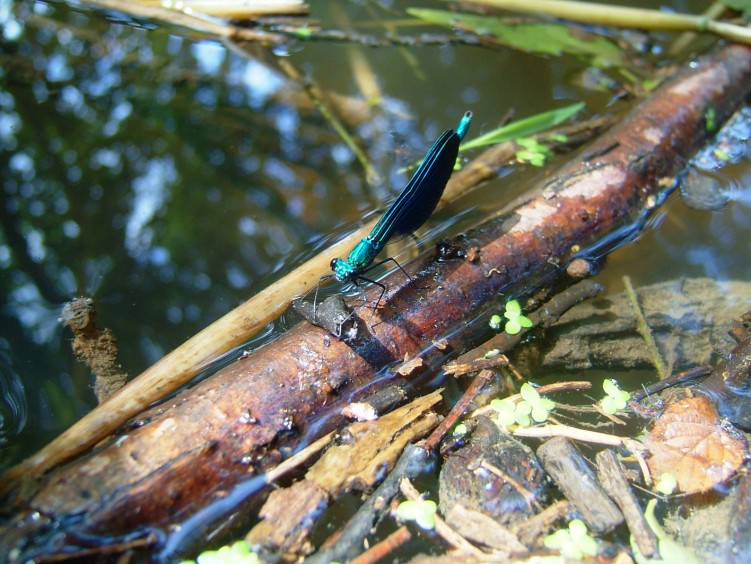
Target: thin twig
[549,431]
[373,178]
[682,378]
[100,553]
[546,389]
[385,547]
[684,42]
[458,410]
[524,493]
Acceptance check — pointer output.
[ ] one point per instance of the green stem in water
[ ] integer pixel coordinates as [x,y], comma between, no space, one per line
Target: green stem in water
[643,328]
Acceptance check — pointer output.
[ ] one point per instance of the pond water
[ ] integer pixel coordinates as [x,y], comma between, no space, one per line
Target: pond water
[171,177]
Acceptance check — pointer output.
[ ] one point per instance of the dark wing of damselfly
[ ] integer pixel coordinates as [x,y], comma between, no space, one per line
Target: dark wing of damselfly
[421,194]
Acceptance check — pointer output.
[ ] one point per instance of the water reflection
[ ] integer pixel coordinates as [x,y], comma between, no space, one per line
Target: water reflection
[168,178]
[151,191]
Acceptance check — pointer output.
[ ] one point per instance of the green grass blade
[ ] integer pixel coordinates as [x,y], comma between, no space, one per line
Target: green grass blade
[524,127]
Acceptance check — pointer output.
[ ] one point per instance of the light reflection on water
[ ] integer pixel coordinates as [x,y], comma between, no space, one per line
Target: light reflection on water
[134,172]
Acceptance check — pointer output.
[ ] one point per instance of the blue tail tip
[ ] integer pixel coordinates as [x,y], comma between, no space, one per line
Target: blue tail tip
[463,126]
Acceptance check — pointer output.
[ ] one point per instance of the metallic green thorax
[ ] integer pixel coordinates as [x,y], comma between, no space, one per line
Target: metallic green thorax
[412,207]
[357,261]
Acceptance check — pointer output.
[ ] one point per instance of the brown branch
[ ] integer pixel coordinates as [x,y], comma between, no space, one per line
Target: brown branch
[530,530]
[613,479]
[571,472]
[458,410]
[385,547]
[461,367]
[684,377]
[184,363]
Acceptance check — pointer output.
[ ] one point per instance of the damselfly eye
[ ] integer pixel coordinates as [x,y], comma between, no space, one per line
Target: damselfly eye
[333,263]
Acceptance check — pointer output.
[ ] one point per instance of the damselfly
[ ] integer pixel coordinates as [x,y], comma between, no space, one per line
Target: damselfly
[408,212]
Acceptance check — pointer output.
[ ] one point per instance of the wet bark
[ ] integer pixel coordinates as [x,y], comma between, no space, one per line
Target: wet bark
[578,482]
[187,463]
[493,474]
[613,479]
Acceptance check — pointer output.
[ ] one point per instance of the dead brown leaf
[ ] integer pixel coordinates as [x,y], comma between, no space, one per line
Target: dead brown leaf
[690,442]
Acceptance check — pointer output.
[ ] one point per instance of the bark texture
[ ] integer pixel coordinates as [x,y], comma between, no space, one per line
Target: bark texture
[194,459]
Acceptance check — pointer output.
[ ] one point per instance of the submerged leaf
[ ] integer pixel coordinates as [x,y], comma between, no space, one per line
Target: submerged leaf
[690,442]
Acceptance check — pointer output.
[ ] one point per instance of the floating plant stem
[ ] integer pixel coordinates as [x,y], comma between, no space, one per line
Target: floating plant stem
[643,328]
[604,14]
